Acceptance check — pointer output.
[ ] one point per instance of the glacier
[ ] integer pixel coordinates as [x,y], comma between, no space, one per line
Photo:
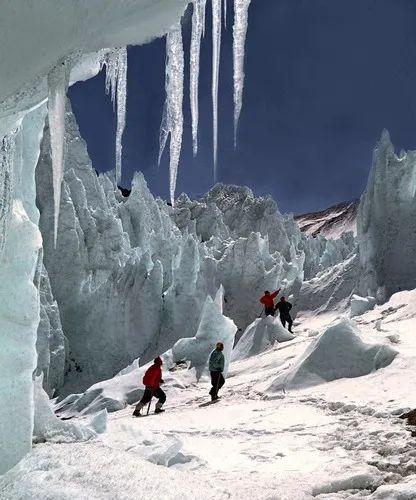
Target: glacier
[121,279]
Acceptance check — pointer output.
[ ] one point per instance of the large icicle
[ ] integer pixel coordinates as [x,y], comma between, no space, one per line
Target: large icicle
[116,86]
[198,23]
[172,121]
[216,47]
[7,154]
[239,32]
[225,13]
[57,87]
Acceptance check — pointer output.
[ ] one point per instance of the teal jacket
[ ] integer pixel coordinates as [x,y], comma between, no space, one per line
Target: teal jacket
[216,361]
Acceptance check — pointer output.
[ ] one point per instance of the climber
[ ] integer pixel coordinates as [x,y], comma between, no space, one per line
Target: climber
[216,367]
[268,302]
[152,380]
[284,308]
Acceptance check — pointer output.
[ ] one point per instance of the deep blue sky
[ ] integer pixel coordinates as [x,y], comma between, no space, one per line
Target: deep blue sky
[323,78]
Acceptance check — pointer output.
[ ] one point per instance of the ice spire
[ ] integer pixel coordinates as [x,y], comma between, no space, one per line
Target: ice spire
[57,87]
[198,23]
[172,121]
[7,153]
[216,47]
[116,86]
[239,32]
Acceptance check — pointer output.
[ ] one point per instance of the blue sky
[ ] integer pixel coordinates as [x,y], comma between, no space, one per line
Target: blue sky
[323,78]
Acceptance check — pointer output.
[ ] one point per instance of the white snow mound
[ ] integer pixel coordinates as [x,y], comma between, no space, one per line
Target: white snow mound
[338,353]
[259,336]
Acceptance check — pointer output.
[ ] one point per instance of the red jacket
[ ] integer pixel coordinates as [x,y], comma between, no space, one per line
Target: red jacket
[152,377]
[267,300]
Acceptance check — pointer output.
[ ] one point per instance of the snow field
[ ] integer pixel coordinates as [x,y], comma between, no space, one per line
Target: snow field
[338,439]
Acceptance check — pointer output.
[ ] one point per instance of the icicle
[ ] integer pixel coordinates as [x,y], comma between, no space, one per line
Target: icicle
[239,33]
[172,121]
[7,154]
[57,86]
[116,86]
[225,13]
[198,22]
[216,47]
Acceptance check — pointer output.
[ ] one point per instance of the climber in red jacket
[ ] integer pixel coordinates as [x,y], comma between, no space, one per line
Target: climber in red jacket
[268,302]
[152,380]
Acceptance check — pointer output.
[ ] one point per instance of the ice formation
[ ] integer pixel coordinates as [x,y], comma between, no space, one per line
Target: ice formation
[57,85]
[213,328]
[116,86]
[240,31]
[172,120]
[23,88]
[50,341]
[386,224]
[48,427]
[146,269]
[216,52]
[338,353]
[359,305]
[198,24]
[7,152]
[261,335]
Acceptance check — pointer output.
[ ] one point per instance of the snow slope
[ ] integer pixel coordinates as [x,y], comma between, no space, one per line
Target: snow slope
[338,439]
[331,222]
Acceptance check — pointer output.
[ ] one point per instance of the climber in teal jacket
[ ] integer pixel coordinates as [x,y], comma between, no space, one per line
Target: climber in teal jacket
[216,367]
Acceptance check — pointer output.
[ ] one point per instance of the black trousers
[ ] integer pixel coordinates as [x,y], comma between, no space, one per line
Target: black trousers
[268,311]
[286,318]
[149,393]
[217,381]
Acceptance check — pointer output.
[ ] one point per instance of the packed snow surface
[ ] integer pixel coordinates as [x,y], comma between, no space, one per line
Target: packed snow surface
[338,439]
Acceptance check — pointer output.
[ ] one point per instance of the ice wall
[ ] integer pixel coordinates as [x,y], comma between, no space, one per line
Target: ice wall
[34,37]
[19,301]
[50,341]
[386,224]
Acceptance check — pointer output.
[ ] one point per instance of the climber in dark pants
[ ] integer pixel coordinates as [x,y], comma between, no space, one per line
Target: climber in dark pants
[284,308]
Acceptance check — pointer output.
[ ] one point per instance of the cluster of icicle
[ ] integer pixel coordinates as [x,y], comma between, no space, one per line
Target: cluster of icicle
[7,153]
[115,62]
[172,122]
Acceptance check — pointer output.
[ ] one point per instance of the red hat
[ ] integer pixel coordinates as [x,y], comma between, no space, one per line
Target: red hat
[158,361]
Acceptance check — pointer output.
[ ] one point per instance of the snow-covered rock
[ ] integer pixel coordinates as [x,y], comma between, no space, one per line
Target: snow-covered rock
[332,222]
[338,353]
[262,334]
